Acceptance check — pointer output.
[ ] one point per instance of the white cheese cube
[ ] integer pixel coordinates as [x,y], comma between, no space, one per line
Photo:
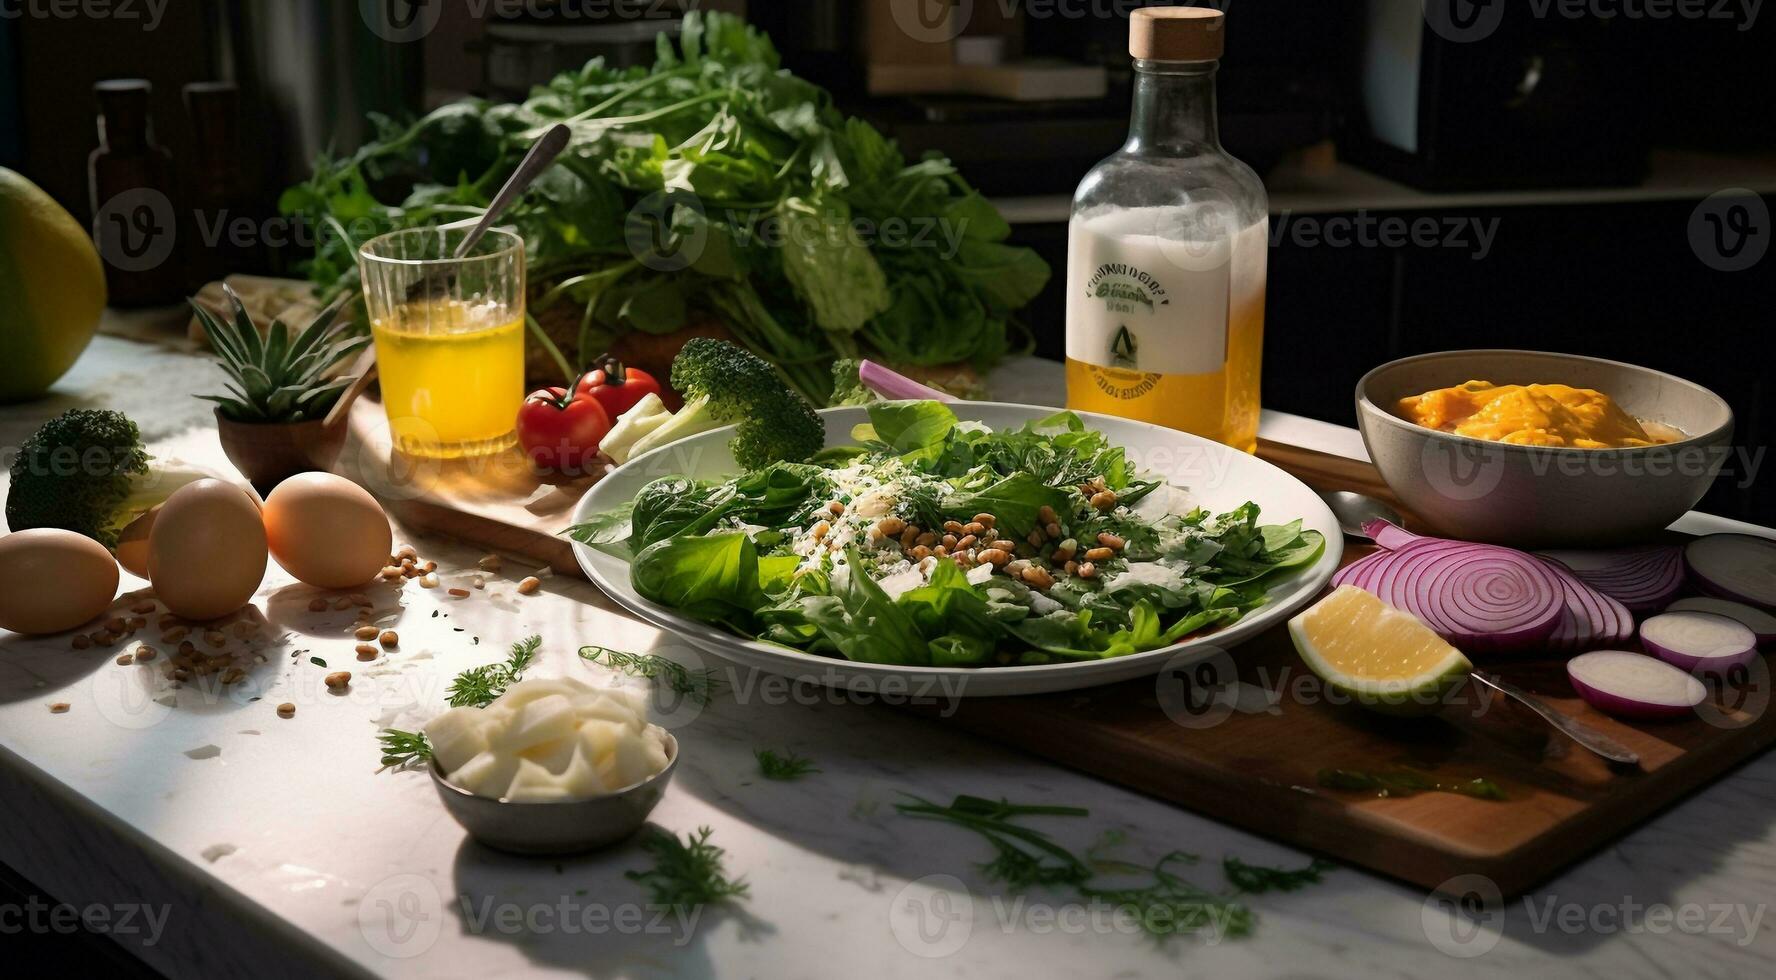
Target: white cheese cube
[544,720]
[487,774]
[457,736]
[533,783]
[553,756]
[618,710]
[580,780]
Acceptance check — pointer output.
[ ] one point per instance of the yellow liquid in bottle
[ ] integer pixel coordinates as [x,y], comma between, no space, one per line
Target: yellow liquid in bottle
[1166,331]
[452,376]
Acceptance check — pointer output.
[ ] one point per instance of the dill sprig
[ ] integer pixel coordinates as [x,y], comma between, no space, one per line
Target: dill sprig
[783,767]
[479,686]
[1256,879]
[686,873]
[400,748]
[699,686]
[1166,904]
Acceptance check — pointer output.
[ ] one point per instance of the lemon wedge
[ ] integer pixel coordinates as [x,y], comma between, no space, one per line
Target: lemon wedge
[1382,658]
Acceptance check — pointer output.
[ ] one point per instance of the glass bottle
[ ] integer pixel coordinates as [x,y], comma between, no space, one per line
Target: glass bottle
[129,181]
[1167,251]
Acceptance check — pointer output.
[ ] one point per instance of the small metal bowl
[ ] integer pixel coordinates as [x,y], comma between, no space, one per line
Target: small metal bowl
[556,827]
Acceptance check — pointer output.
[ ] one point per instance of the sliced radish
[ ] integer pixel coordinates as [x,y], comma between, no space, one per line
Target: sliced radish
[1699,642]
[1759,622]
[1634,685]
[1735,566]
[1643,579]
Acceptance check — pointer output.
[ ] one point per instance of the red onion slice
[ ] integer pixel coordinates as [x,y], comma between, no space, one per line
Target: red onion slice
[1592,619]
[1481,598]
[1643,579]
[1389,535]
[1735,566]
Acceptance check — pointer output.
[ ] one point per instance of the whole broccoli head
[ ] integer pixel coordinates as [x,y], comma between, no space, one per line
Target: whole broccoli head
[78,472]
[725,384]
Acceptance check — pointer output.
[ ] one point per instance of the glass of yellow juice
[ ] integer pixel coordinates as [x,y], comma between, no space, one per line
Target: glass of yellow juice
[449,338]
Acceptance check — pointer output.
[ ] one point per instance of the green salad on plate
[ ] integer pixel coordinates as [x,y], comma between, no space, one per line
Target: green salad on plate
[939,542]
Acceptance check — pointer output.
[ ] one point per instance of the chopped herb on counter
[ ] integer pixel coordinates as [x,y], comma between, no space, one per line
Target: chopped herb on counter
[317,661]
[686,873]
[479,686]
[700,686]
[400,748]
[1256,879]
[785,767]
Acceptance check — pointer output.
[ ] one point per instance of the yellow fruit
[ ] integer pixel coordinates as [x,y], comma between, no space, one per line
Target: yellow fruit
[52,289]
[1384,659]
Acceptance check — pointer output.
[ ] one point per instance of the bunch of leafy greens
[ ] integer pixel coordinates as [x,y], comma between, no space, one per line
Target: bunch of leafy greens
[713,184]
[1165,904]
[725,551]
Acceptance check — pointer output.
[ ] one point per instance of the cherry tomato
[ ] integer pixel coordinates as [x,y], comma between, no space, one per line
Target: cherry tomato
[616,387]
[560,428]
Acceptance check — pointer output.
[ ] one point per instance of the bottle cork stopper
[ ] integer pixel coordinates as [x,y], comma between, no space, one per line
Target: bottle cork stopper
[1177,34]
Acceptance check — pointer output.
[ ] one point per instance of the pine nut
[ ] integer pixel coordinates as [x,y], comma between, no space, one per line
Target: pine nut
[1065,551]
[81,642]
[146,653]
[891,527]
[460,593]
[342,603]
[940,551]
[116,624]
[954,527]
[145,606]
[317,605]
[286,710]
[339,680]
[1047,515]
[950,540]
[994,556]
[175,634]
[927,539]
[366,632]
[1052,530]
[1036,539]
[233,675]
[974,527]
[391,571]
[836,508]
[1004,545]
[1072,567]
[1104,499]
[479,582]
[389,638]
[428,581]
[1088,570]
[821,530]
[1038,577]
[489,563]
[215,638]
[124,660]
[919,553]
[367,652]
[59,708]
[968,541]
[909,537]
[1099,554]
[1111,541]
[985,520]
[530,584]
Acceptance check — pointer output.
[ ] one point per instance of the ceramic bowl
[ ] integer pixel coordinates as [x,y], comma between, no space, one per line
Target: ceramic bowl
[1534,496]
[556,827]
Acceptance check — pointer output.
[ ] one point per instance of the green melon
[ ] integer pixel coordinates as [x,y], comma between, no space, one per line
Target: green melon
[52,289]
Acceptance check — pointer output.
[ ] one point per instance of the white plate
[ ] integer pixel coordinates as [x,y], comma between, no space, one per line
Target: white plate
[1210,474]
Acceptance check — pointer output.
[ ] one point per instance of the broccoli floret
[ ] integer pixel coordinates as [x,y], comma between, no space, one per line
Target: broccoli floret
[79,472]
[724,384]
[848,388]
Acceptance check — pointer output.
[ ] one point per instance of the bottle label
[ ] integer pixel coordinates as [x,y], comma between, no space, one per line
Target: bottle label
[1141,303]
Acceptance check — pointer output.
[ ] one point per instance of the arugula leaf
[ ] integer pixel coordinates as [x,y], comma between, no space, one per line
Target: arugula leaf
[909,426]
[712,577]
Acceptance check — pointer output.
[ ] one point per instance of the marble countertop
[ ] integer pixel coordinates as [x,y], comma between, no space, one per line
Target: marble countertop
[212,836]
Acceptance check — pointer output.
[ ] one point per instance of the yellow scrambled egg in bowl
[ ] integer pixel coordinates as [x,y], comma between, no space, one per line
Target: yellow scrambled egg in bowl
[1534,415]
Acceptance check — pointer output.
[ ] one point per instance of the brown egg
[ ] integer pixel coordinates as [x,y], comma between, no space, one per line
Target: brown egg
[206,550]
[327,531]
[132,541]
[53,580]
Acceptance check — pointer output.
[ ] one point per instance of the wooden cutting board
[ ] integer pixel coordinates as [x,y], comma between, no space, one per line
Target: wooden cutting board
[1251,754]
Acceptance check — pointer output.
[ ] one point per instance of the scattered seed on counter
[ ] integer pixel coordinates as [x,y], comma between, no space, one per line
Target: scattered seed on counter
[391,571]
[460,593]
[124,659]
[367,632]
[428,567]
[103,638]
[233,675]
[167,621]
[175,634]
[116,624]
[135,623]
[428,581]
[479,582]
[144,606]
[367,652]
[489,563]
[146,653]
[317,605]
[215,638]
[58,708]
[342,602]
[389,638]
[81,641]
[286,710]
[530,584]
[338,681]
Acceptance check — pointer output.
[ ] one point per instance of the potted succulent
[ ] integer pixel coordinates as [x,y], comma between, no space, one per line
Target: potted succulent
[281,386]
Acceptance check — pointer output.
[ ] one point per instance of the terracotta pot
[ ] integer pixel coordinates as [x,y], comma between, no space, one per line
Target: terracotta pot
[266,453]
